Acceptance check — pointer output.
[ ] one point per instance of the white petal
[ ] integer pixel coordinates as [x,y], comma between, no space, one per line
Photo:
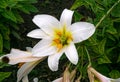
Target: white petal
[17,56]
[25,79]
[71,53]
[18,60]
[58,80]
[37,33]
[115,80]
[46,23]
[98,75]
[53,61]
[29,49]
[82,31]
[43,48]
[19,53]
[66,17]
[26,68]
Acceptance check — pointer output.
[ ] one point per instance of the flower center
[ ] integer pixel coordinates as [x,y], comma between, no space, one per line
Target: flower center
[62,38]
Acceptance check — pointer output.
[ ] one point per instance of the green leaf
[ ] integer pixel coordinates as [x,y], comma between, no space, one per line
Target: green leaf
[14,25]
[5,31]
[1,43]
[6,44]
[111,37]
[103,59]
[31,8]
[77,16]
[116,11]
[3,4]
[77,4]
[15,34]
[28,8]
[111,30]
[12,3]
[107,3]
[109,50]
[101,46]
[114,74]
[93,40]
[93,5]
[103,69]
[108,26]
[24,10]
[118,60]
[19,18]
[3,64]
[4,75]
[9,15]
[116,19]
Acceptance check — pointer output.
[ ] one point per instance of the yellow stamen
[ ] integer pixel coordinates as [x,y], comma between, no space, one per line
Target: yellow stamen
[59,33]
[62,37]
[57,41]
[59,46]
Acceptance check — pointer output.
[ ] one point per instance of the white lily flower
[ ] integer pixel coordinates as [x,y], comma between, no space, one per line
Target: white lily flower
[58,37]
[93,73]
[17,56]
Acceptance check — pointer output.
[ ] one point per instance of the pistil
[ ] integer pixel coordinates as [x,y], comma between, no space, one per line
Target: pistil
[62,38]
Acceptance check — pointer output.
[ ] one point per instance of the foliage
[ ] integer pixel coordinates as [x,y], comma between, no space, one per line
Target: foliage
[10,13]
[101,50]
[4,75]
[103,47]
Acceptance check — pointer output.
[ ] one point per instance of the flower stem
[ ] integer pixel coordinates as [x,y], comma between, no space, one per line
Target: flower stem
[108,12]
[88,57]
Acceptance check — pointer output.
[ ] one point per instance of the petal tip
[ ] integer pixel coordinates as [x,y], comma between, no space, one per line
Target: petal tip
[5,59]
[34,18]
[52,65]
[75,62]
[28,35]
[54,69]
[67,10]
[66,17]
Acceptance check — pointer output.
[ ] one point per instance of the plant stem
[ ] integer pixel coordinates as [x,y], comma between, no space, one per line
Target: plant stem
[88,56]
[108,12]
